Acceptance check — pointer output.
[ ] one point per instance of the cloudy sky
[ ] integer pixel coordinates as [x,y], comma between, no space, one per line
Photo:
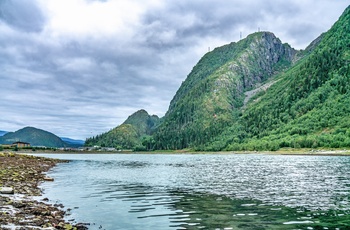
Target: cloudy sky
[78,68]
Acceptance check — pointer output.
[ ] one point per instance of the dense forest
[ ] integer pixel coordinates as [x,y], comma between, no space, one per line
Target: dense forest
[297,99]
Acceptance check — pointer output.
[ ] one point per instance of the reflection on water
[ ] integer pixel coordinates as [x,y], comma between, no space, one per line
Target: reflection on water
[204,191]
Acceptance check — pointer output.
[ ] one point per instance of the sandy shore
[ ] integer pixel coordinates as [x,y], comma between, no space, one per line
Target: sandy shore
[20,210]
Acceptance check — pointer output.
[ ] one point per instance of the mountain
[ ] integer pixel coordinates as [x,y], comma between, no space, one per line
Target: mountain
[308,107]
[34,136]
[257,94]
[129,135]
[2,133]
[73,143]
[212,96]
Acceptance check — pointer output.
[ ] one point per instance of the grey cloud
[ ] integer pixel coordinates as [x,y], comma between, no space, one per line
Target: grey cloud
[79,87]
[22,14]
[224,19]
[303,32]
[191,20]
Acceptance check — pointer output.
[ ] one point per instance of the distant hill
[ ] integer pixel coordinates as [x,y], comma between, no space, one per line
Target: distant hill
[34,136]
[129,135]
[2,133]
[73,143]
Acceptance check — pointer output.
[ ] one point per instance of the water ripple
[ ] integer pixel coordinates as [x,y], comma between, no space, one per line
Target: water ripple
[186,191]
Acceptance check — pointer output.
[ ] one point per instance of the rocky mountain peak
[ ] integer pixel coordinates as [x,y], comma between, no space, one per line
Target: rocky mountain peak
[215,87]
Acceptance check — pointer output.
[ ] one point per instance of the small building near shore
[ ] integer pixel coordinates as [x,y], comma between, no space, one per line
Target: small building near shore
[21,144]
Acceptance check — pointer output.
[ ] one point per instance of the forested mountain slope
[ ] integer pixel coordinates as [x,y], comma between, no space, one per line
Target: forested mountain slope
[210,98]
[308,107]
[129,135]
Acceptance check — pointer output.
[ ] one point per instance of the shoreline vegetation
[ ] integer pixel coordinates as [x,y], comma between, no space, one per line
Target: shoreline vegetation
[21,210]
[282,151]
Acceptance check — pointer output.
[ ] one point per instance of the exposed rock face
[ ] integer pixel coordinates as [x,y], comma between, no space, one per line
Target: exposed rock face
[259,60]
[216,86]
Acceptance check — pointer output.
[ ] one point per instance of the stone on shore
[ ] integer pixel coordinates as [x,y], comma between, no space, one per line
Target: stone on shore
[21,174]
[48,179]
[6,190]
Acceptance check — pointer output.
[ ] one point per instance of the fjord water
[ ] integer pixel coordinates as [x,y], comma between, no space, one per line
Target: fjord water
[203,191]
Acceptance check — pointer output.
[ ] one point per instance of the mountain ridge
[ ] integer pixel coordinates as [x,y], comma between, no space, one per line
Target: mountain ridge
[220,93]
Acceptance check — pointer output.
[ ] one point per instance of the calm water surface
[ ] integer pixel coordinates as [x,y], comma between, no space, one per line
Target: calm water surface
[204,191]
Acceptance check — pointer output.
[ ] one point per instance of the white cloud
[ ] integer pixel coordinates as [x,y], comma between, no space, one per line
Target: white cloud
[76,64]
[77,18]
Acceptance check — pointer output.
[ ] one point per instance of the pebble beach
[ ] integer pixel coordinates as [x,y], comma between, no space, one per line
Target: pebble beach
[20,208]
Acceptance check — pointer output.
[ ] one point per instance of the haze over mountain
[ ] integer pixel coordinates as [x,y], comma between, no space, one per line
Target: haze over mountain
[72,142]
[2,133]
[296,98]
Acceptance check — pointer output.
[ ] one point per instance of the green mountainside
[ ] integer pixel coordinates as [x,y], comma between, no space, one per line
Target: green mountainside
[213,93]
[34,136]
[308,107]
[129,135]
[257,94]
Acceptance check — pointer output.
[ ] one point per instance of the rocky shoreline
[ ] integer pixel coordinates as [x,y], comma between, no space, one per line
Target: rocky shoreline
[18,208]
